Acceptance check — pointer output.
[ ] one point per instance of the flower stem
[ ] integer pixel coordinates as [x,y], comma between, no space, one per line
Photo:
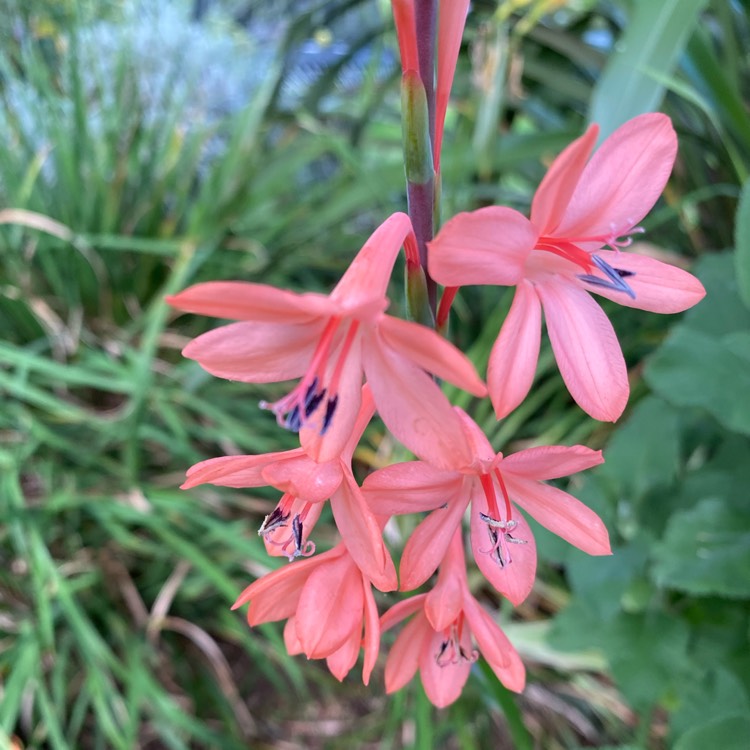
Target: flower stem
[419,128]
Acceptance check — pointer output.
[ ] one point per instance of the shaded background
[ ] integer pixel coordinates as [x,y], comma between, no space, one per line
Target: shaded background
[160,144]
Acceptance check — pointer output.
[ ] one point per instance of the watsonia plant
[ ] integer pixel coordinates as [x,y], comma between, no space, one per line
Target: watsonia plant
[582,220]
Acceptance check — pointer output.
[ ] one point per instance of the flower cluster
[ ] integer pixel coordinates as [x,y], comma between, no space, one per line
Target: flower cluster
[352,359]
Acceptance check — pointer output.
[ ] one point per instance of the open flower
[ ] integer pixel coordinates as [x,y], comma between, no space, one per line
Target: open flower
[306,485]
[581,207]
[494,485]
[329,605]
[438,640]
[330,342]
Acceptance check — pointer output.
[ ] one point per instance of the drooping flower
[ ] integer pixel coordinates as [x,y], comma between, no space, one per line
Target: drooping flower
[438,640]
[581,207]
[306,485]
[495,486]
[330,608]
[330,342]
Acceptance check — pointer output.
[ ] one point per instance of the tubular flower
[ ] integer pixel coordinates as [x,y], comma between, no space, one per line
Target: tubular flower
[306,485]
[582,207]
[438,640]
[330,608]
[330,342]
[495,486]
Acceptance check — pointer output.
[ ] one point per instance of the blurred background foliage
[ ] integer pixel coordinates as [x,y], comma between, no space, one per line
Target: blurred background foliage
[147,146]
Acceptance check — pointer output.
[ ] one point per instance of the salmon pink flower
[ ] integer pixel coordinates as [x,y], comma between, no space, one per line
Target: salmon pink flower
[306,485]
[331,341]
[329,605]
[581,207]
[438,640]
[493,484]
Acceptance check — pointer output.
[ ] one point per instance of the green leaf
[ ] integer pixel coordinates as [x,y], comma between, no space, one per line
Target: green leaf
[706,550]
[654,39]
[713,373]
[722,310]
[728,733]
[717,695]
[742,242]
[644,452]
[647,653]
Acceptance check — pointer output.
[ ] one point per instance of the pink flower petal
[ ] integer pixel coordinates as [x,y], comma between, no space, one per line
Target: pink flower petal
[275,590]
[495,646]
[658,287]
[513,580]
[445,602]
[450,30]
[410,487]
[561,513]
[329,608]
[487,246]
[401,610]
[341,661]
[551,461]
[412,406]
[365,282]
[586,349]
[444,682]
[372,633]
[556,189]
[304,478]
[429,541]
[234,471]
[403,658]
[623,180]
[332,444]
[361,533]
[256,352]
[513,359]
[431,352]
[481,451]
[260,303]
[293,646]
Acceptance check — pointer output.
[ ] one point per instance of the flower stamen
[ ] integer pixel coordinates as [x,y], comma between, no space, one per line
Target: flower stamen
[297,409]
[279,519]
[614,277]
[451,652]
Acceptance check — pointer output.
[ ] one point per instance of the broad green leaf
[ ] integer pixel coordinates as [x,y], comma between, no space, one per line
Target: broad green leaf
[654,39]
[742,243]
[719,694]
[721,310]
[712,373]
[647,652]
[728,733]
[644,452]
[706,551]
